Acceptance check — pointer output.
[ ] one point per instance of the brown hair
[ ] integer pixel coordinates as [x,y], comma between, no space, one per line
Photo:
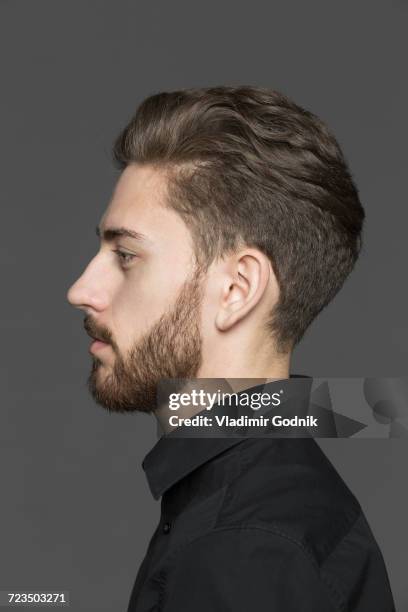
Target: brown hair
[246,165]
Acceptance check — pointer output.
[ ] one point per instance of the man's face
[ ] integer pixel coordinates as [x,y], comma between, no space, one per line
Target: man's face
[141,295]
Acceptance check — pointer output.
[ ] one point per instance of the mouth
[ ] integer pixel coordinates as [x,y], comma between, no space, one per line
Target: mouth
[97,345]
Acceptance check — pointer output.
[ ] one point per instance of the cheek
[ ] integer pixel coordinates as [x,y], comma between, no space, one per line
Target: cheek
[139,303]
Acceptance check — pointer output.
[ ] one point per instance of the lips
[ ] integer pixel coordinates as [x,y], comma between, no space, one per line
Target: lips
[98,339]
[93,337]
[91,331]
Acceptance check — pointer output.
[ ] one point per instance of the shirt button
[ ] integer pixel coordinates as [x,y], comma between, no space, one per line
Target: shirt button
[166,527]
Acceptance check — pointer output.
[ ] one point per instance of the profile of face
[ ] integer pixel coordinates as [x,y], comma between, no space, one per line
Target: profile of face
[142,295]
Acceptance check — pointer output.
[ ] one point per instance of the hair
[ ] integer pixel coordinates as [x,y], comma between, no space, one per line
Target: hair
[248,166]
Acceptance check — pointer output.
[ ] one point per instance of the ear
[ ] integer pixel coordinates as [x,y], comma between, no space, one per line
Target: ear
[249,278]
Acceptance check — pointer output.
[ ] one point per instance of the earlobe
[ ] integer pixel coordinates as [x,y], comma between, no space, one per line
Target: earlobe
[248,278]
[226,317]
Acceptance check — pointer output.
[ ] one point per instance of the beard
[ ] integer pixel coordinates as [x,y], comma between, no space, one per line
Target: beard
[171,349]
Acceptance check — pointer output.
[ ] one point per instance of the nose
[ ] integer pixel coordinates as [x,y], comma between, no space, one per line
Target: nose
[89,291]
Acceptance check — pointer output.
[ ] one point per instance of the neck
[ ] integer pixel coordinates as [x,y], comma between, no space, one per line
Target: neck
[228,372]
[244,357]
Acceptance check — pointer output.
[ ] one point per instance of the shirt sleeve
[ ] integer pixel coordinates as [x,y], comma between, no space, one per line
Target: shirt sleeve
[241,570]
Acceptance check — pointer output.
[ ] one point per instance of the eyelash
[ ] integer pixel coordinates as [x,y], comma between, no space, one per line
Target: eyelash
[124,258]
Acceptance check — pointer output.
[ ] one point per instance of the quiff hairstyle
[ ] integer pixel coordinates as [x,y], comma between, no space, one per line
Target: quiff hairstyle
[248,166]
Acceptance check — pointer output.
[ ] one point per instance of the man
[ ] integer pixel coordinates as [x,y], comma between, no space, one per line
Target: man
[234,222]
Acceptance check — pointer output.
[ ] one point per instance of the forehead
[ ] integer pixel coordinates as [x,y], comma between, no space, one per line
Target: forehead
[138,198]
[139,203]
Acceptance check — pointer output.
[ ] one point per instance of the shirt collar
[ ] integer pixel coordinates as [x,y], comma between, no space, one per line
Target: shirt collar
[173,457]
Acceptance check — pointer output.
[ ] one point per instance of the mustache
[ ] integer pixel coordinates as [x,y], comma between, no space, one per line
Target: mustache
[96,333]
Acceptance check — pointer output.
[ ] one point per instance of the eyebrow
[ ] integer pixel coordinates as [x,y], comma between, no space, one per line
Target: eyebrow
[110,233]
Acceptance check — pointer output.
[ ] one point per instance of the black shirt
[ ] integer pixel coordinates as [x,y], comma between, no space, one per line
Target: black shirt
[256,524]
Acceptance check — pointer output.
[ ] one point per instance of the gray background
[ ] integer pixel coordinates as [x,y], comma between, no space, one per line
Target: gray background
[76,513]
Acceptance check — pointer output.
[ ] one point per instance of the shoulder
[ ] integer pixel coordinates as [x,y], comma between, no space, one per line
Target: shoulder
[290,488]
[288,534]
[237,567]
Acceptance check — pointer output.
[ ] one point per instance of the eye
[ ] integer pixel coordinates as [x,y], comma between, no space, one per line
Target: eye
[124,258]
